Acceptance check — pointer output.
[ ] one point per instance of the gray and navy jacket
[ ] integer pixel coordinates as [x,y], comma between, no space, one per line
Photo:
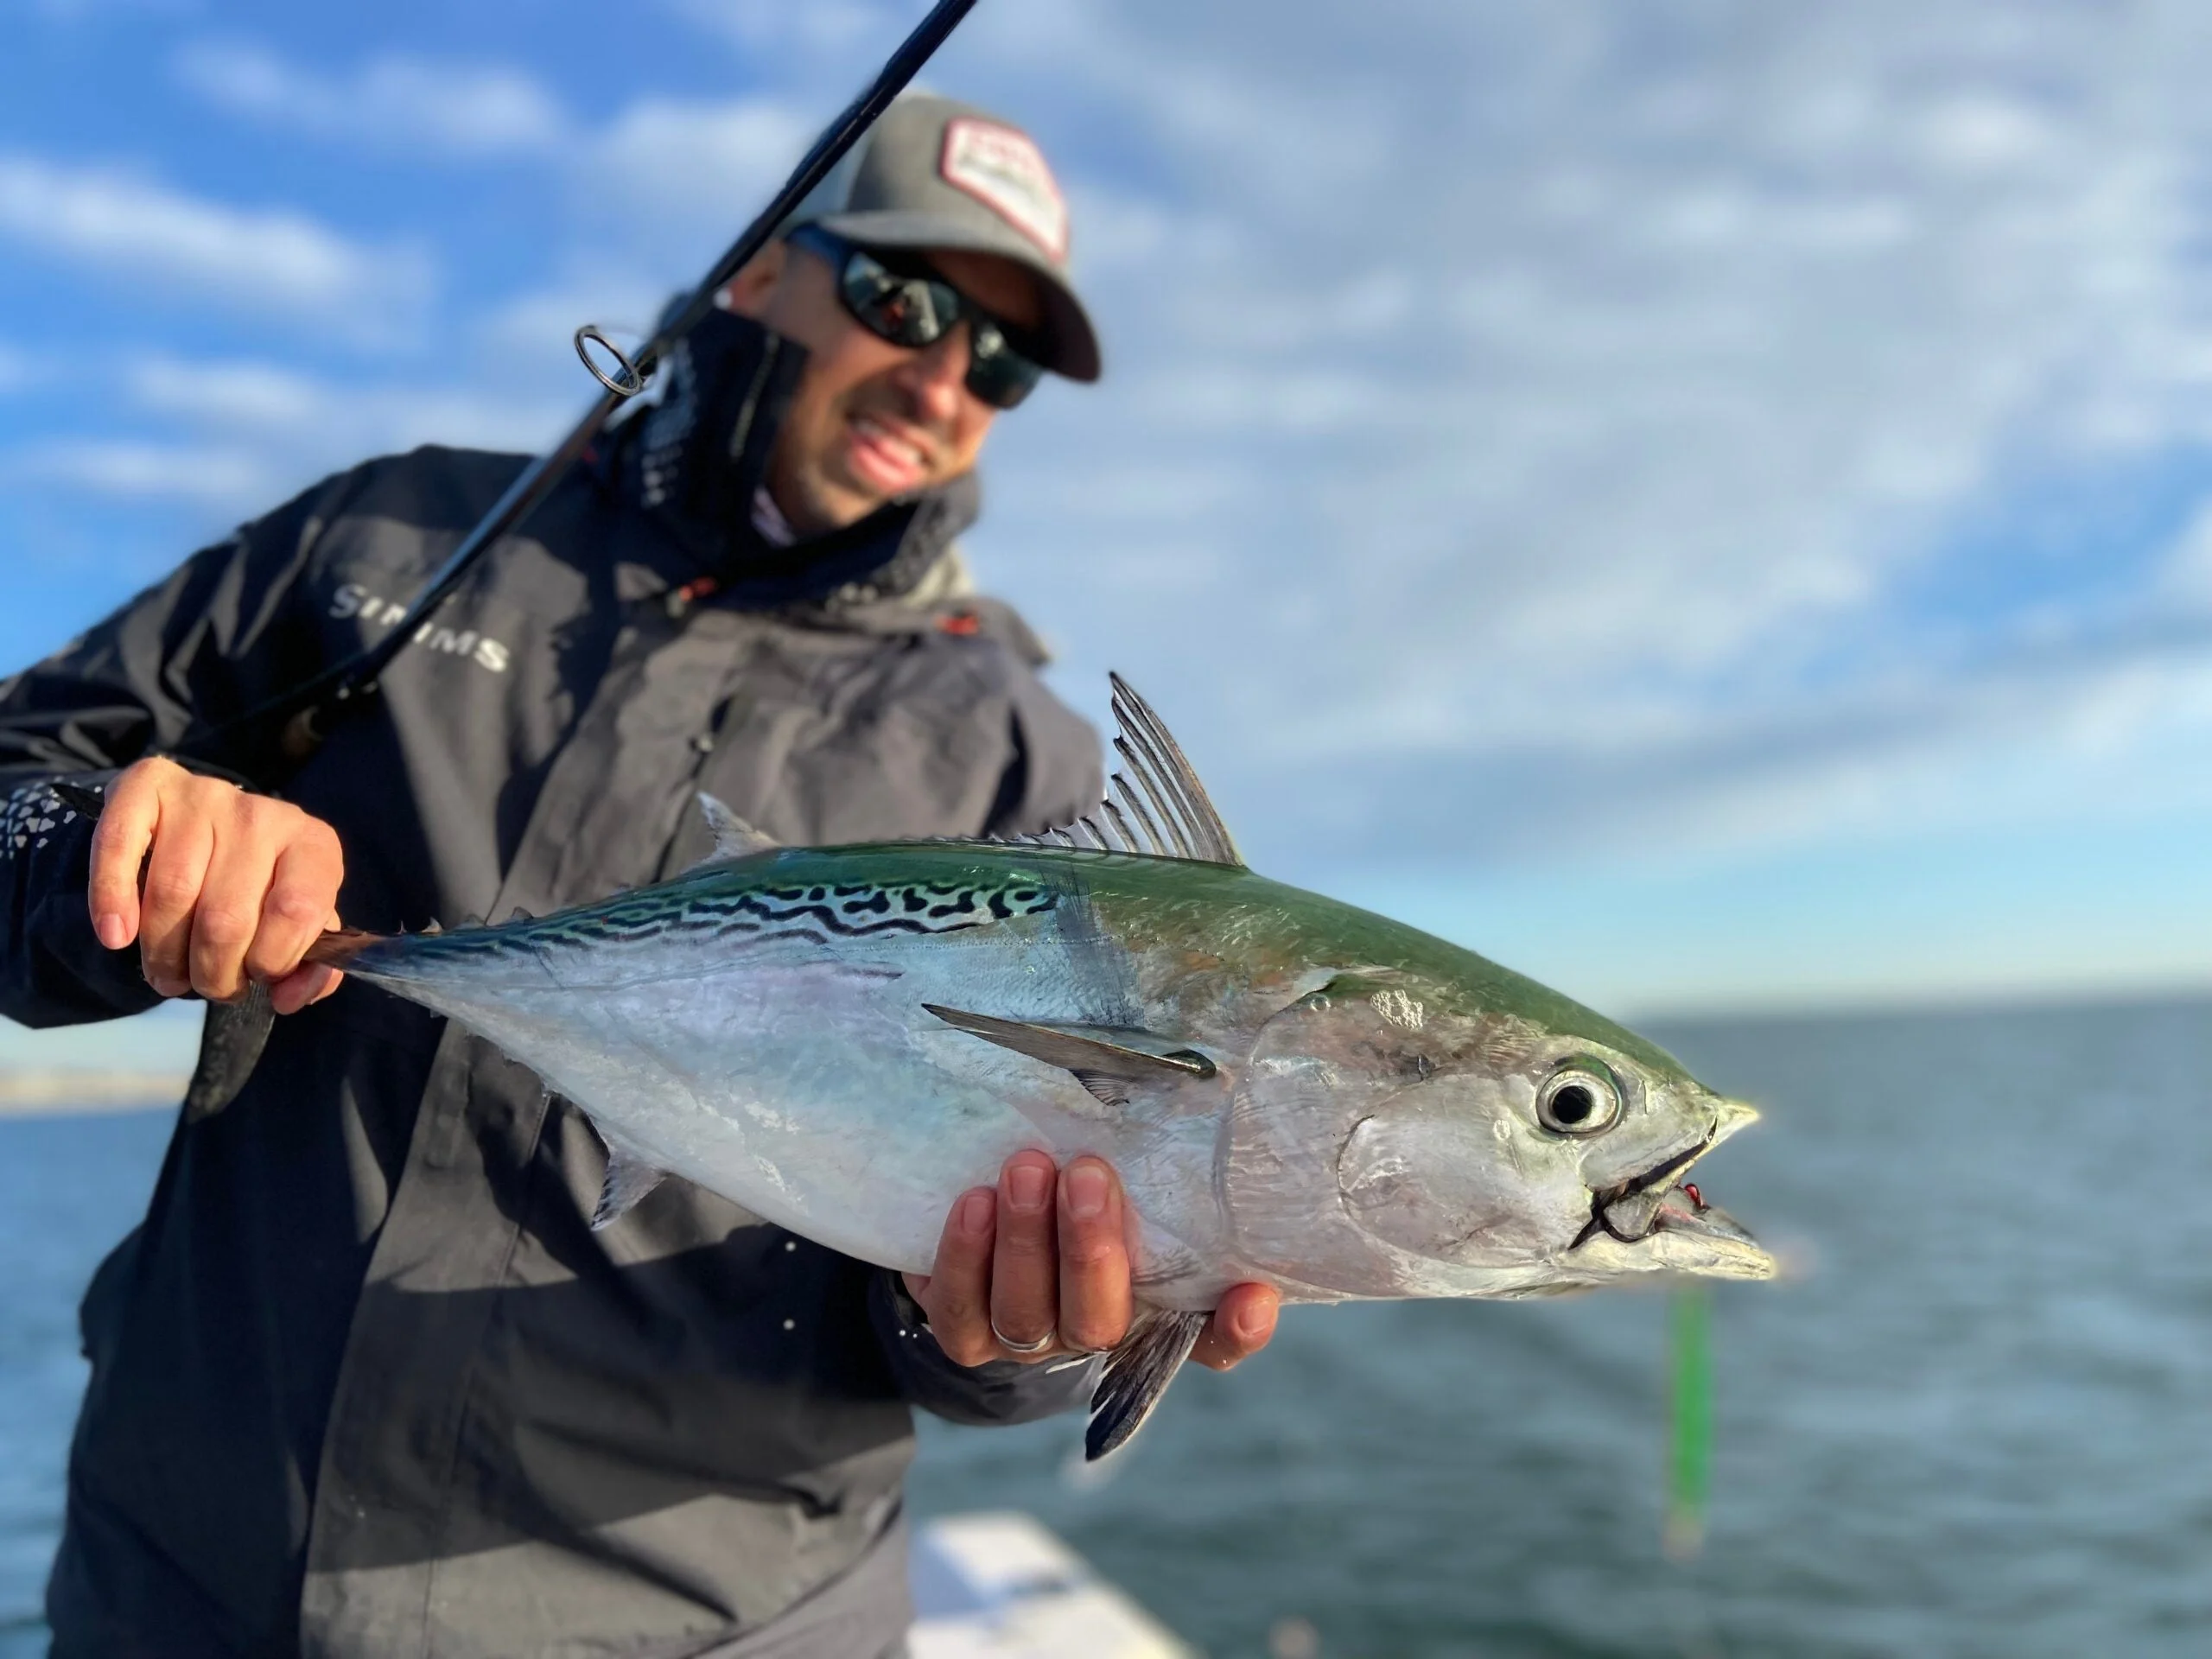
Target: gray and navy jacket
[364,1381]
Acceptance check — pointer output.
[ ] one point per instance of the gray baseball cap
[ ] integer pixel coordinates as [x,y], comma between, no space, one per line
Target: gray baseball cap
[936,174]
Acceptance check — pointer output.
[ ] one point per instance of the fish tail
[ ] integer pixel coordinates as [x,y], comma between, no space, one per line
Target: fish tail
[230,1043]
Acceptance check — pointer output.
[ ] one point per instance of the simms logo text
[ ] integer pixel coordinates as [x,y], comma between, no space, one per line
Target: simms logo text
[353,600]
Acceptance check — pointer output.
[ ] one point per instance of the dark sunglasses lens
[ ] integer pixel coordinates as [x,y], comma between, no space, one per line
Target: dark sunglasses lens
[916,311]
[997,373]
[904,311]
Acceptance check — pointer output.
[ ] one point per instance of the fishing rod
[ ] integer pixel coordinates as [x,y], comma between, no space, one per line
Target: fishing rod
[300,718]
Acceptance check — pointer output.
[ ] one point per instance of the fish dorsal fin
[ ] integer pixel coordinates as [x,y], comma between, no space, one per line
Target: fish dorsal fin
[1108,1063]
[1186,816]
[733,837]
[1157,806]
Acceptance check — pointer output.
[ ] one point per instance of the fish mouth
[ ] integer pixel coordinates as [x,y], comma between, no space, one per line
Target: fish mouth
[1672,1219]
[1630,1210]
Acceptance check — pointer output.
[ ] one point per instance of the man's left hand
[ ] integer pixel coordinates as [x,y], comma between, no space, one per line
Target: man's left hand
[1046,1255]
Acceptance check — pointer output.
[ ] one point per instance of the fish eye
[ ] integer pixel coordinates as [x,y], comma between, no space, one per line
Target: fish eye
[1579,1099]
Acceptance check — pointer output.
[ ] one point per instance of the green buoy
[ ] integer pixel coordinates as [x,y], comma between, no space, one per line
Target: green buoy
[1689,1451]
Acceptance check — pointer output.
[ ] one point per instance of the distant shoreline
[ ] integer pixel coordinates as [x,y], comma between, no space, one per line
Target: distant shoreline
[75,1091]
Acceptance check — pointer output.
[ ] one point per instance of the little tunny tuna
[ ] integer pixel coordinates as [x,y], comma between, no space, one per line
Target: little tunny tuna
[843,1039]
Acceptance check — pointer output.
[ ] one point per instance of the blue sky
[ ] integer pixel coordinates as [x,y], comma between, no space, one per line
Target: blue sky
[1706,502]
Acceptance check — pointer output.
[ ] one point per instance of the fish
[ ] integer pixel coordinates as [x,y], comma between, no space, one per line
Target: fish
[1293,1091]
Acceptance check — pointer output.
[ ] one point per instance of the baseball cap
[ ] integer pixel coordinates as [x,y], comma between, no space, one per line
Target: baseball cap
[933,173]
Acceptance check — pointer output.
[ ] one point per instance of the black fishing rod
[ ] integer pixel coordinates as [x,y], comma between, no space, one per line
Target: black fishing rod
[297,720]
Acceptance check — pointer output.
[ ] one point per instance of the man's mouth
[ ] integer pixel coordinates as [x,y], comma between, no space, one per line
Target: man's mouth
[886,460]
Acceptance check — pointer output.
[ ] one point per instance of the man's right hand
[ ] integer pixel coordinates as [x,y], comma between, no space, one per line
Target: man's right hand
[237,885]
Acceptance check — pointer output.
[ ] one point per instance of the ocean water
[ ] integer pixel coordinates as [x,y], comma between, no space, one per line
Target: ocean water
[1978,1421]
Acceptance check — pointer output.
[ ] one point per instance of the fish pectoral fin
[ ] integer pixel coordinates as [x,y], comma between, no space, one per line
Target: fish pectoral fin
[733,837]
[629,1179]
[1136,1375]
[1106,1060]
[230,1047]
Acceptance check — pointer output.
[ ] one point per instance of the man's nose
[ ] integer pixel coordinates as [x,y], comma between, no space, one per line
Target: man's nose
[936,375]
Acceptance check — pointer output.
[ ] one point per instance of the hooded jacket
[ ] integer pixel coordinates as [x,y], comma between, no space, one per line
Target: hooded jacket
[363,1380]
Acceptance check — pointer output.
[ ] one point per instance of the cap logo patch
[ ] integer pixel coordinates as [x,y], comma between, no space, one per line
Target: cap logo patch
[1001,167]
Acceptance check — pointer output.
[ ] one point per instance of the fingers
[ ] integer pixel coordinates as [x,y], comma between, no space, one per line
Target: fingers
[957,1296]
[177,871]
[1242,1322]
[228,909]
[1096,1299]
[1042,1258]
[235,886]
[304,986]
[1025,1260]
[120,839]
[307,871]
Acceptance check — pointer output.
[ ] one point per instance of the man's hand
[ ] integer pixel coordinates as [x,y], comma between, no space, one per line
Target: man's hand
[1046,1255]
[237,886]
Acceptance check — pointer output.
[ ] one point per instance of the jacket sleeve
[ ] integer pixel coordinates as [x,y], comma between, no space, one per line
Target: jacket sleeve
[981,1395]
[207,642]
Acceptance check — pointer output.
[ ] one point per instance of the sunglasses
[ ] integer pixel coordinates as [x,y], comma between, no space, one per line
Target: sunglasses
[906,303]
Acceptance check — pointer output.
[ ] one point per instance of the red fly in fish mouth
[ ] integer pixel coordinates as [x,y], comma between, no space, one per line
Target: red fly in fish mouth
[1695,1197]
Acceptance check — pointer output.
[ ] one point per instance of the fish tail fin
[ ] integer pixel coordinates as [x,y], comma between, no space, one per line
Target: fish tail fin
[1136,1375]
[231,1042]
[339,946]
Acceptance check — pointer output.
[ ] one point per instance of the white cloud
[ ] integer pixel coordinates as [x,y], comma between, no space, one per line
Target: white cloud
[668,178]
[772,28]
[232,438]
[72,12]
[229,479]
[1496,393]
[317,424]
[693,172]
[162,239]
[2184,577]
[1599,386]
[673,161]
[253,396]
[400,103]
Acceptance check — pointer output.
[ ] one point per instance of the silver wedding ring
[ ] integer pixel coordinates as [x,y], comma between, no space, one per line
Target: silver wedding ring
[1024,1349]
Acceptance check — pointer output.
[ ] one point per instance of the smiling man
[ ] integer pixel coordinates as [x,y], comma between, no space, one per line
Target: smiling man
[365,1381]
[876,419]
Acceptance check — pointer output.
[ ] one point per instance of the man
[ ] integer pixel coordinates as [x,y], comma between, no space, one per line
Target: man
[364,1381]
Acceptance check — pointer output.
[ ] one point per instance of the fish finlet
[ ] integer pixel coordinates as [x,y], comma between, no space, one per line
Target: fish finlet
[337,948]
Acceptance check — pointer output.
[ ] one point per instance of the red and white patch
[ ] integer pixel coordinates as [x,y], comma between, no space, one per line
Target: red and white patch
[1005,171]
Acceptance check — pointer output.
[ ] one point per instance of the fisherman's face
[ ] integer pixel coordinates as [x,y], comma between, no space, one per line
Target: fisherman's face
[871,422]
